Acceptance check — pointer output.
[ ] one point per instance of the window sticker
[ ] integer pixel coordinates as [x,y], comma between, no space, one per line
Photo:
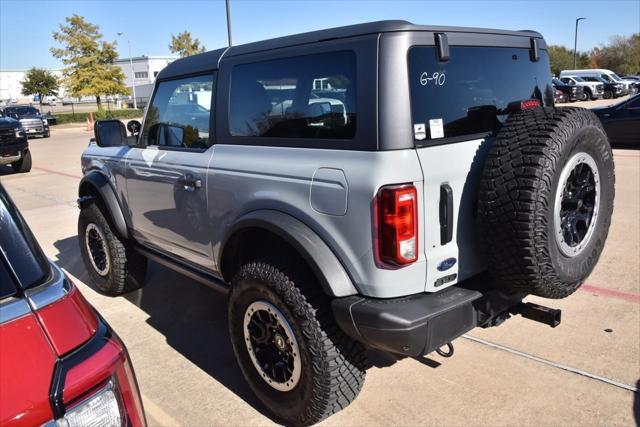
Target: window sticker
[436,128]
[419,131]
[437,78]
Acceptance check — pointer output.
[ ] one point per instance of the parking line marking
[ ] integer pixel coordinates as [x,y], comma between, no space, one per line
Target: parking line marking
[553,364]
[627,296]
[68,175]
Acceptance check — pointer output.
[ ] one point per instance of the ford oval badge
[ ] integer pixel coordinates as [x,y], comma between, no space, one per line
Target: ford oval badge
[447,264]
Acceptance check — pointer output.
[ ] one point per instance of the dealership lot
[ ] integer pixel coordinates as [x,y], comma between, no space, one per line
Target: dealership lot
[176,333]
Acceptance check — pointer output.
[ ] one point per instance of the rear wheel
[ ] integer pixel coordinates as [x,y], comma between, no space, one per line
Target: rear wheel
[546,200]
[114,267]
[607,94]
[293,355]
[24,164]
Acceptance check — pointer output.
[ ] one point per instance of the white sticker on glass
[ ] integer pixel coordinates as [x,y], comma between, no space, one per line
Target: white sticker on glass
[419,131]
[436,128]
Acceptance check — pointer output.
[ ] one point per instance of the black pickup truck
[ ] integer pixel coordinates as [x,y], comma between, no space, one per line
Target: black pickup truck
[33,122]
[571,93]
[14,147]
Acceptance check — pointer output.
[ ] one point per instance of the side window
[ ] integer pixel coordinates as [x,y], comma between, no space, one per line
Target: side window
[634,104]
[310,96]
[179,114]
[606,78]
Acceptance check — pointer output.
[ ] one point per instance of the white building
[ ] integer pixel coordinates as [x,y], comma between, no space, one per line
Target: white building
[145,70]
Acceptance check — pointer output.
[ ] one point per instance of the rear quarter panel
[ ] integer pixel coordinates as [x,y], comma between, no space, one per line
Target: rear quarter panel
[244,178]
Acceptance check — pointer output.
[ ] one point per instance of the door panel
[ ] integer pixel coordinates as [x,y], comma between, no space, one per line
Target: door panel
[166,175]
[168,199]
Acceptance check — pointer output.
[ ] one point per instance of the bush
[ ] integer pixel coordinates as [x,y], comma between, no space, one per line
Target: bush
[99,115]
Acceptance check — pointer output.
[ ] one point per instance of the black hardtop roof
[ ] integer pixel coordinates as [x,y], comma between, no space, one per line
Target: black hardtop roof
[210,60]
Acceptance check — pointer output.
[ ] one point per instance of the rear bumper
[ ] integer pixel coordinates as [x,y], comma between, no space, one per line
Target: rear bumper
[418,324]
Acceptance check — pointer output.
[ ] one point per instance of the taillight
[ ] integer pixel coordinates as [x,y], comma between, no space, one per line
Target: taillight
[397,224]
[96,386]
[93,384]
[529,103]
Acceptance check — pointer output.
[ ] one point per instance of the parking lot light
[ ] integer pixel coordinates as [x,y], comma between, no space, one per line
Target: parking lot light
[575,43]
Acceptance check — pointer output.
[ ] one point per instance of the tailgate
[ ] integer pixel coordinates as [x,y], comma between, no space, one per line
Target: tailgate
[451,175]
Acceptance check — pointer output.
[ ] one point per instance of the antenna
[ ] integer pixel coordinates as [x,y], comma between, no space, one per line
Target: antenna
[229,22]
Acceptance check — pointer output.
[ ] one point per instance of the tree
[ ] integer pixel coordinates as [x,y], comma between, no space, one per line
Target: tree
[39,82]
[184,45]
[561,58]
[89,62]
[621,55]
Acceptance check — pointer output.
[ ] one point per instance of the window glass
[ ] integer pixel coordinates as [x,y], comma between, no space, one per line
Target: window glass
[7,287]
[470,93]
[141,74]
[180,112]
[635,103]
[311,96]
[18,246]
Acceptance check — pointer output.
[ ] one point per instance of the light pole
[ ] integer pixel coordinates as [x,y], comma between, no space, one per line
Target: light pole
[575,43]
[133,75]
[229,22]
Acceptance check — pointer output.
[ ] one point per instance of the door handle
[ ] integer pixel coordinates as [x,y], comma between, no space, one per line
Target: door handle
[190,184]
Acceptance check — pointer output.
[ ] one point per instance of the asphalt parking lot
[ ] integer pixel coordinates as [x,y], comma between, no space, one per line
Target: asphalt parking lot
[584,372]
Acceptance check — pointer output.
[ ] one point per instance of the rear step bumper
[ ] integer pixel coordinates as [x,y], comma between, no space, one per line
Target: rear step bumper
[414,325]
[418,324]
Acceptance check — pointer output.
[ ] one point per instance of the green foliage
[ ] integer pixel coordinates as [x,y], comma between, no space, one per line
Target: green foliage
[621,55]
[99,115]
[39,82]
[89,68]
[184,45]
[561,58]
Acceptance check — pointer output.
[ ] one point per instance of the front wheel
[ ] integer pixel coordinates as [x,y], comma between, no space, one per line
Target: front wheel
[24,164]
[114,267]
[293,355]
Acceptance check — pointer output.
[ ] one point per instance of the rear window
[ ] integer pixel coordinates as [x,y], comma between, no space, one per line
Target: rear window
[468,94]
[7,287]
[310,96]
[18,246]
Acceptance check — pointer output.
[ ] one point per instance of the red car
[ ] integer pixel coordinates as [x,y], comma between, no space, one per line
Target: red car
[60,362]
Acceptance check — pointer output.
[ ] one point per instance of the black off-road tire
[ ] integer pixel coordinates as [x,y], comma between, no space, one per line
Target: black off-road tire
[127,268]
[518,194]
[47,135]
[608,94]
[24,164]
[333,365]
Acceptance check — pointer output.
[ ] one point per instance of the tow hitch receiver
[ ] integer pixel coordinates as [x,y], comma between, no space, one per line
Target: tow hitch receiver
[539,313]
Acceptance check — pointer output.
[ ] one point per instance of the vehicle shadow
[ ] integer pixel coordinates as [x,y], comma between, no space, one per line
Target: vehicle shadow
[6,170]
[193,319]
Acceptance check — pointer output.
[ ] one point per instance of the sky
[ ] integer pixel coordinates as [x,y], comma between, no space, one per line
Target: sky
[26,26]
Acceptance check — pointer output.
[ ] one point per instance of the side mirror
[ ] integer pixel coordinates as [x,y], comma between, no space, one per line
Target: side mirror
[134,126]
[110,133]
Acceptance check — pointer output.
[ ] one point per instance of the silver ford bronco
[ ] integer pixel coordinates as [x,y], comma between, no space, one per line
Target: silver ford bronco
[382,186]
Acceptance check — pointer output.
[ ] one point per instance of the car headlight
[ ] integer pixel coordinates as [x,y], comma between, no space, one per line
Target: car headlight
[20,133]
[100,409]
[45,122]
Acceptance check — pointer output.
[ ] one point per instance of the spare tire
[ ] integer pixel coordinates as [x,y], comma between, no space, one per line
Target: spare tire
[545,200]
